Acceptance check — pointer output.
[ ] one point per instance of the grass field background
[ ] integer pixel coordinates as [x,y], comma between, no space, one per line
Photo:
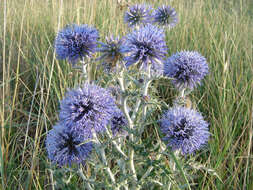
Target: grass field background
[32,81]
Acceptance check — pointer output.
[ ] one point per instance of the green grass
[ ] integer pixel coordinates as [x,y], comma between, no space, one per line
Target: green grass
[33,81]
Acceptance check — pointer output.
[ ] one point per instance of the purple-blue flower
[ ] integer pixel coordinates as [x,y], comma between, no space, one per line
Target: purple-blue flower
[75,42]
[187,68]
[165,16]
[87,108]
[112,50]
[146,45]
[66,148]
[117,123]
[137,15]
[184,129]
[112,53]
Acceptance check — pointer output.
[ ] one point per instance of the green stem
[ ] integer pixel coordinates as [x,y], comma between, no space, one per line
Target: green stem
[88,186]
[147,82]
[149,170]
[103,159]
[86,70]
[145,90]
[116,145]
[177,164]
[131,126]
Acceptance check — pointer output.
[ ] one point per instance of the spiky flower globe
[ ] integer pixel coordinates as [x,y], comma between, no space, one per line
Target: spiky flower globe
[137,15]
[75,42]
[112,49]
[112,52]
[67,148]
[184,129]
[87,108]
[146,45]
[165,16]
[117,123]
[187,68]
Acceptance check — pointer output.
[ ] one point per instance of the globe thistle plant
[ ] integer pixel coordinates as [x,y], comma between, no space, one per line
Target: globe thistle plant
[67,148]
[75,42]
[146,45]
[165,16]
[87,108]
[117,123]
[137,15]
[184,129]
[187,68]
[113,120]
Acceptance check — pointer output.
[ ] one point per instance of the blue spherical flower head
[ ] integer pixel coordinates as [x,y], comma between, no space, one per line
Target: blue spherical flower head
[117,123]
[87,108]
[76,42]
[184,129]
[137,15]
[112,52]
[146,45]
[67,148]
[165,16]
[187,68]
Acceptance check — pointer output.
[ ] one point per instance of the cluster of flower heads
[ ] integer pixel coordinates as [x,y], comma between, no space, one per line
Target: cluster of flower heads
[90,108]
[83,111]
[146,44]
[137,15]
[184,129]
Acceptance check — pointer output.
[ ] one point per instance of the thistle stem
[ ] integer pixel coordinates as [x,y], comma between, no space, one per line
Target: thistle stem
[173,168]
[88,186]
[131,126]
[145,90]
[103,159]
[116,145]
[122,165]
[121,81]
[86,70]
[149,170]
[88,73]
[147,82]
[182,95]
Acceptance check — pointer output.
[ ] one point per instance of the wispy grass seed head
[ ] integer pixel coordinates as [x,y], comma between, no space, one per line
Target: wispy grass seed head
[165,16]
[146,45]
[187,68]
[184,129]
[138,14]
[87,108]
[75,42]
[67,148]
